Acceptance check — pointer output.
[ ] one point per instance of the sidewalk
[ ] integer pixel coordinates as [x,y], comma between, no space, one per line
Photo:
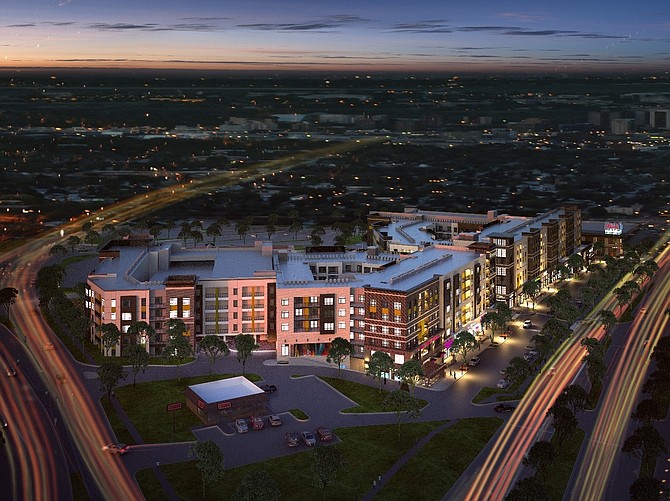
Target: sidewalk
[171,494]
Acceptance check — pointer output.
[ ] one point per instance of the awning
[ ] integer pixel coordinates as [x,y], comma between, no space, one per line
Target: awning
[428,341]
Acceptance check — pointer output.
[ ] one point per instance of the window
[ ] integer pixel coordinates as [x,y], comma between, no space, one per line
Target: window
[397,319]
[342,300]
[113,303]
[373,302]
[126,316]
[361,311]
[385,317]
[385,330]
[284,301]
[341,325]
[173,313]
[284,327]
[144,301]
[298,312]
[501,252]
[385,343]
[112,316]
[234,291]
[361,298]
[328,301]
[313,299]
[284,314]
[173,301]
[342,312]
[351,298]
[329,326]
[397,331]
[314,324]
[396,305]
[501,271]
[186,301]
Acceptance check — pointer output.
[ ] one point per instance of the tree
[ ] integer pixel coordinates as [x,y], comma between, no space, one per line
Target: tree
[58,251]
[210,461]
[109,335]
[543,345]
[576,263]
[410,373]
[647,489]
[648,268]
[7,297]
[185,232]
[87,226]
[595,360]
[140,332]
[517,371]
[257,486]
[197,237]
[138,357]
[340,349]
[243,227]
[72,242]
[531,289]
[464,343]
[110,373]
[528,489]
[315,237]
[647,411]
[574,397]
[92,237]
[608,319]
[563,420]
[178,347]
[598,248]
[541,456]
[47,282]
[155,230]
[245,344]
[403,405]
[213,231]
[380,363]
[646,443]
[213,347]
[295,227]
[169,226]
[555,329]
[271,225]
[326,463]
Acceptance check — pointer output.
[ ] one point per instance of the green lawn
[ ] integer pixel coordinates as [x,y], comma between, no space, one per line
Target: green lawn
[369,450]
[298,414]
[471,435]
[368,398]
[120,430]
[146,405]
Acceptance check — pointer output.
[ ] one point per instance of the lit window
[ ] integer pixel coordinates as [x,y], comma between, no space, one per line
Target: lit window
[298,312]
[284,314]
[284,301]
[329,326]
[396,305]
[284,327]
[341,325]
[314,324]
[342,313]
[126,316]
[342,300]
[328,301]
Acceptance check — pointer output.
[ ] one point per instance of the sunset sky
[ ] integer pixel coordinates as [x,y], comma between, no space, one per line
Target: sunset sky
[364,36]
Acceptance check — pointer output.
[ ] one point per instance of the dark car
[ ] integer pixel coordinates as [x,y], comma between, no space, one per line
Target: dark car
[324,434]
[268,388]
[118,448]
[292,439]
[503,408]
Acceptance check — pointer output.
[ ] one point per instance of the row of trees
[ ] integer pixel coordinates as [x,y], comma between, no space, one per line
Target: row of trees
[645,442]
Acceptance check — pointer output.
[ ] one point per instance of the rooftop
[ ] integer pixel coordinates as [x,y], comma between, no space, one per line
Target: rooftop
[225,389]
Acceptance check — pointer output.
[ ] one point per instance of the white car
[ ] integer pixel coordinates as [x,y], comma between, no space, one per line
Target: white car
[474,361]
[527,324]
[241,425]
[502,384]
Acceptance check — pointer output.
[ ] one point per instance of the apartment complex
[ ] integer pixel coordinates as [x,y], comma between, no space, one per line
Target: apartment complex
[517,248]
[430,276]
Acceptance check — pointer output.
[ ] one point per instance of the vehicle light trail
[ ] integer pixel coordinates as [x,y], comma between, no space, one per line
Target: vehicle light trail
[592,474]
[500,468]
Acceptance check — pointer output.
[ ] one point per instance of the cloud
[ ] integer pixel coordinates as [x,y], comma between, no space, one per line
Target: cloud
[289,26]
[153,27]
[519,16]
[58,23]
[23,25]
[428,26]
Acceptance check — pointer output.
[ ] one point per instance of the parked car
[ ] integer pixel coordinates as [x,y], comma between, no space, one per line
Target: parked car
[503,408]
[3,421]
[268,388]
[494,344]
[309,438]
[11,372]
[241,425]
[474,361]
[530,355]
[292,439]
[275,420]
[527,324]
[503,383]
[324,434]
[117,448]
[257,423]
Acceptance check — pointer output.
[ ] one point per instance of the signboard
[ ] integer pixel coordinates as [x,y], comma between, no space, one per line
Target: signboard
[201,404]
[613,228]
[448,343]
[223,405]
[174,406]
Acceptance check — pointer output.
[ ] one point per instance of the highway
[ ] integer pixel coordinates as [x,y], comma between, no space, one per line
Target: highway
[37,468]
[496,472]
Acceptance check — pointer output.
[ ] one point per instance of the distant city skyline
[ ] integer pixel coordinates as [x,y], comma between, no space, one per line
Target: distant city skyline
[371,36]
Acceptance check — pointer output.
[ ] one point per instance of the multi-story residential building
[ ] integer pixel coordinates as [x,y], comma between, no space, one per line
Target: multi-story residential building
[518,248]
